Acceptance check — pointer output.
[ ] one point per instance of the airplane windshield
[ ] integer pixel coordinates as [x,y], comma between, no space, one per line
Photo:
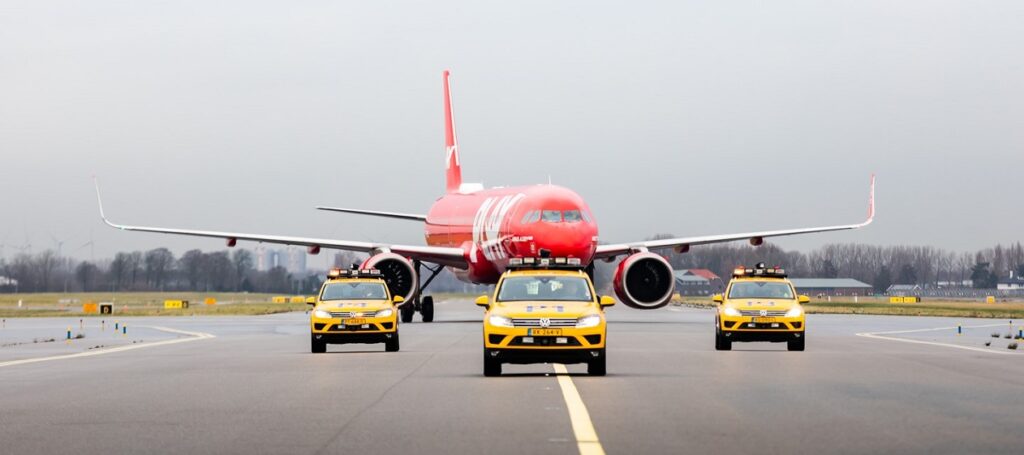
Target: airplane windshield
[760,290]
[572,216]
[544,287]
[354,291]
[552,216]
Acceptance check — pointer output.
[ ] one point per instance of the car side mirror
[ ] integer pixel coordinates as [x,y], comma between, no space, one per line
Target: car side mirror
[607,301]
[717,298]
[310,300]
[397,299]
[803,299]
[483,301]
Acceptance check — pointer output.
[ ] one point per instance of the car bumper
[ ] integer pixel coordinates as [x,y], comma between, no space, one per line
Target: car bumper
[337,327]
[524,338]
[756,324]
[526,356]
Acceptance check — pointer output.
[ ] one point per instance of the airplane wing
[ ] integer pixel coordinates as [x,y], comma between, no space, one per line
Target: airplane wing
[453,257]
[401,216]
[610,251]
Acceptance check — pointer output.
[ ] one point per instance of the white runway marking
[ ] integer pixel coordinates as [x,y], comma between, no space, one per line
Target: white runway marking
[881,336]
[193,336]
[582,427]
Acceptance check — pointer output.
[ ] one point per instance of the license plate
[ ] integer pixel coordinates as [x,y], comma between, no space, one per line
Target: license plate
[544,332]
[761,320]
[353,321]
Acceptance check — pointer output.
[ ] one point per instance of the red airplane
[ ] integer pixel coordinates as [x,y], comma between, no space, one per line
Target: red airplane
[474,231]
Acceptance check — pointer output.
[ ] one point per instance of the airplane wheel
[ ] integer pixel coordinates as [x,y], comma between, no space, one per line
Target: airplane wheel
[797,344]
[315,346]
[492,366]
[427,308]
[391,345]
[407,311]
[598,366]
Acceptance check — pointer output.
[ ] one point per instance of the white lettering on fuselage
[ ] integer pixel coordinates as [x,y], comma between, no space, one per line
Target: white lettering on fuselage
[452,150]
[487,225]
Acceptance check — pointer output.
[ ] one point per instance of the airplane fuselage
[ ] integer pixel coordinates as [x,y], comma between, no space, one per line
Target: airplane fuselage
[496,224]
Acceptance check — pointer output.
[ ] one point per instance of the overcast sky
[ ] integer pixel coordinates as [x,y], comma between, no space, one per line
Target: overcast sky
[677,117]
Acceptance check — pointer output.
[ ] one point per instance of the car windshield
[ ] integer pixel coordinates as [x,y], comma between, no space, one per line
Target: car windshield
[354,291]
[760,290]
[544,287]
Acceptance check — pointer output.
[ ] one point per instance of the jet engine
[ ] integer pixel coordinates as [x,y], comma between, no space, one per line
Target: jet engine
[397,272]
[644,281]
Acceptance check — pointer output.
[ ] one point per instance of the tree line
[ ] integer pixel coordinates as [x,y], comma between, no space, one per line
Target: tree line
[234,271]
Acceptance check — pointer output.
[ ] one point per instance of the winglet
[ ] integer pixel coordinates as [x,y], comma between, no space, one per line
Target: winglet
[871,203]
[99,199]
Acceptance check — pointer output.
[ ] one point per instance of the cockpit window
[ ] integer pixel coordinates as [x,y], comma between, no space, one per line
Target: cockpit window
[526,217]
[536,216]
[572,216]
[586,217]
[552,216]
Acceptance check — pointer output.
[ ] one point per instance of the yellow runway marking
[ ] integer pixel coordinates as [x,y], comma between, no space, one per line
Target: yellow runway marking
[194,336]
[582,427]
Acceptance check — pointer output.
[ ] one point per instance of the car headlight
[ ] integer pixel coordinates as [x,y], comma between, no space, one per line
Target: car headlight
[591,320]
[321,314]
[499,321]
[730,311]
[387,312]
[794,312]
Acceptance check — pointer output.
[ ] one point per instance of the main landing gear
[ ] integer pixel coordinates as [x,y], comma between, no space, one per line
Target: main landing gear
[424,305]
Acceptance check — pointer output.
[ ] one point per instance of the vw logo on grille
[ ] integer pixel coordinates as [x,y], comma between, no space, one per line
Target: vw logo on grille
[764,312]
[545,322]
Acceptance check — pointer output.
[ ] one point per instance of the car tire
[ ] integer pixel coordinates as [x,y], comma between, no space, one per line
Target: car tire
[722,343]
[598,366]
[406,311]
[427,308]
[796,344]
[317,346]
[492,365]
[391,345]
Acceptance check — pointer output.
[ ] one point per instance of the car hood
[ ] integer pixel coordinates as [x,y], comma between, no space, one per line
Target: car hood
[762,304]
[354,305]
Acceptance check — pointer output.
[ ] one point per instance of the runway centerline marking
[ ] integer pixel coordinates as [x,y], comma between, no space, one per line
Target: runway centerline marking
[193,336]
[881,336]
[582,427]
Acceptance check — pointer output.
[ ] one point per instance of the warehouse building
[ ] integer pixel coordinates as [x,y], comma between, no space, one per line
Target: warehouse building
[697,282]
[831,286]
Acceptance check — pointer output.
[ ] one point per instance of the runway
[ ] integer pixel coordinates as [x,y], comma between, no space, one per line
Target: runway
[250,385]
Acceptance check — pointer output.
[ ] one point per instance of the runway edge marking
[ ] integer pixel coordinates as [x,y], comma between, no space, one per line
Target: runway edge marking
[582,427]
[193,336]
[881,336]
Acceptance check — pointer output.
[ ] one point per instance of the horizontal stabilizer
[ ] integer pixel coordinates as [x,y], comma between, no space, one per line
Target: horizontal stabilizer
[401,216]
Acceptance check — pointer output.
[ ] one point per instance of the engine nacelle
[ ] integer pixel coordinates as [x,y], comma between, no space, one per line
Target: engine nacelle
[397,272]
[644,281]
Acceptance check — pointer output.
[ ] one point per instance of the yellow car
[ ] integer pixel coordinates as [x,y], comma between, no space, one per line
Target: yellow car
[544,310]
[760,304]
[354,306]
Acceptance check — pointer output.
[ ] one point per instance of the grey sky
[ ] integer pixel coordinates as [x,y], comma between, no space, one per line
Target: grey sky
[683,117]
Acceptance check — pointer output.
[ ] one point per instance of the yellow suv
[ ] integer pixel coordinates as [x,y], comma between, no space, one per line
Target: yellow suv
[354,306]
[760,304]
[544,310]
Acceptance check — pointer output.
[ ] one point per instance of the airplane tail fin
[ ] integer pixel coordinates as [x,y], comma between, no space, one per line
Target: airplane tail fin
[453,169]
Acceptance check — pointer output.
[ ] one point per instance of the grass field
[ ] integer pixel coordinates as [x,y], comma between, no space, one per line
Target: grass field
[142,304]
[943,308]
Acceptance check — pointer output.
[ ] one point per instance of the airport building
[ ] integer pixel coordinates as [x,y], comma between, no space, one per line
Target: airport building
[698,282]
[831,286]
[292,259]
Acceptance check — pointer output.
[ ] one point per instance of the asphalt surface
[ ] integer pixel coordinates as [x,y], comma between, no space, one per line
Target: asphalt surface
[255,388]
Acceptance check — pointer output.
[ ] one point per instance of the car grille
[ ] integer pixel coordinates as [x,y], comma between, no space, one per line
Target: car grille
[758,313]
[535,322]
[352,314]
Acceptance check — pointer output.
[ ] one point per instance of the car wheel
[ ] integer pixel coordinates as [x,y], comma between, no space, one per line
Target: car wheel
[391,345]
[492,366]
[796,344]
[317,346]
[598,366]
[427,308]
